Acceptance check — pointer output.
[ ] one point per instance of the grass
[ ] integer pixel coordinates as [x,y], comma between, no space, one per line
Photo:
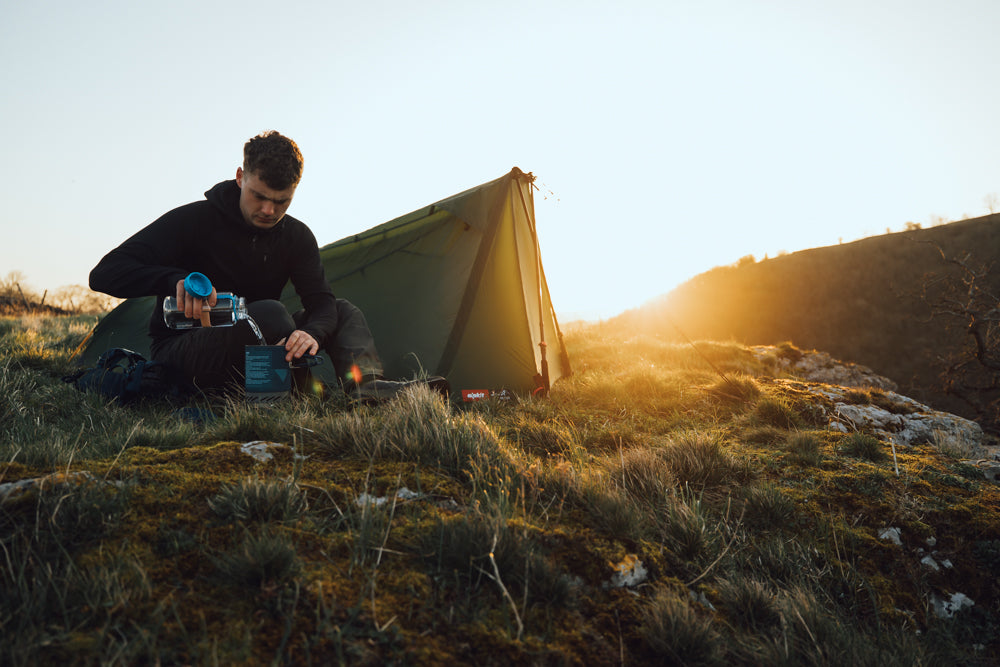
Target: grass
[677,633]
[263,561]
[256,500]
[863,446]
[804,449]
[418,532]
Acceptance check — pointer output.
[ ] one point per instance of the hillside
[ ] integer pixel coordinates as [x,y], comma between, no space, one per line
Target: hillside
[863,301]
[668,504]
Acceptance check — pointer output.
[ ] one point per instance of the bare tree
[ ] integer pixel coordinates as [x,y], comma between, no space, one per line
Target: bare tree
[80,299]
[992,201]
[965,295]
[14,284]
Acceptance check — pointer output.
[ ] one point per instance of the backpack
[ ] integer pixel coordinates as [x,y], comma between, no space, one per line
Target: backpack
[128,377]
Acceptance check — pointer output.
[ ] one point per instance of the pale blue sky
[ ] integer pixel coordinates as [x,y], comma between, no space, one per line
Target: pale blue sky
[668,137]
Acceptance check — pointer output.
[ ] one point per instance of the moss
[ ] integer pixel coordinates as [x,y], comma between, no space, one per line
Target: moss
[578,482]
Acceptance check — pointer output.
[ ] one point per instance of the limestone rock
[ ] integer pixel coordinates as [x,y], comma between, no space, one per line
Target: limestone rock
[817,366]
[895,418]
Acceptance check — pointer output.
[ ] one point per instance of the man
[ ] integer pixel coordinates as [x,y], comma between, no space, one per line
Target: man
[241,239]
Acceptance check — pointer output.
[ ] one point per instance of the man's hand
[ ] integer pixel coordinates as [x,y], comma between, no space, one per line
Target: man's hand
[192,305]
[299,343]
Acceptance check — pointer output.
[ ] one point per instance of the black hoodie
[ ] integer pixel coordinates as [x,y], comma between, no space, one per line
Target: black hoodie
[213,238]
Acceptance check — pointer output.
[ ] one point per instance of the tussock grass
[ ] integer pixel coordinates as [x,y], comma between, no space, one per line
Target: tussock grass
[259,501]
[737,390]
[541,437]
[858,397]
[48,592]
[750,602]
[767,507]
[419,427]
[178,548]
[48,598]
[482,551]
[774,411]
[677,633]
[813,635]
[646,475]
[883,400]
[863,446]
[603,349]
[611,509]
[260,561]
[764,435]
[66,515]
[688,530]
[777,558]
[804,449]
[641,393]
[703,459]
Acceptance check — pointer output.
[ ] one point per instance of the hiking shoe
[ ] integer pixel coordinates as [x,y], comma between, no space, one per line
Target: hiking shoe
[379,390]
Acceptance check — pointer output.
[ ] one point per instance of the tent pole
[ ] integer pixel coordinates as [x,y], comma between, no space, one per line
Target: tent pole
[543,346]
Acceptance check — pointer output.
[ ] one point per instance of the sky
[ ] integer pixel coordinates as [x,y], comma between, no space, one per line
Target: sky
[667,137]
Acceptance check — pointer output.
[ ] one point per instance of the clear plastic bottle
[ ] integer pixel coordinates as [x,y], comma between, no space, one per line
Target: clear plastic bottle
[228,310]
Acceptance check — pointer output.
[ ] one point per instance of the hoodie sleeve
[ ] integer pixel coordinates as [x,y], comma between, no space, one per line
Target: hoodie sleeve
[309,280]
[147,264]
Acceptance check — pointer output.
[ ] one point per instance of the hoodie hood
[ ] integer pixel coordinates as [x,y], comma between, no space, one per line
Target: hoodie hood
[225,196]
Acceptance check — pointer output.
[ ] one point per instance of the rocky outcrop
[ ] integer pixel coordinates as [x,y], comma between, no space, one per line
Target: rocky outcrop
[903,421]
[856,398]
[818,366]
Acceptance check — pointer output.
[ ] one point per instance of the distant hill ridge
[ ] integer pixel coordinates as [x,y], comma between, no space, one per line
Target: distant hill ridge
[860,301]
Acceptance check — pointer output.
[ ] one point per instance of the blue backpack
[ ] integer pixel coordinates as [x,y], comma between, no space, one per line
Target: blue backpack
[128,377]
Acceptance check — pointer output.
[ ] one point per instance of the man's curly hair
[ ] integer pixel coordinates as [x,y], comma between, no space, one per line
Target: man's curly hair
[274,158]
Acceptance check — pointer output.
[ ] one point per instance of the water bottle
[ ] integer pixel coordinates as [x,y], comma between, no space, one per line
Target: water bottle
[227,311]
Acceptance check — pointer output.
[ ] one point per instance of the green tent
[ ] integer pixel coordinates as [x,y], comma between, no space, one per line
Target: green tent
[453,289]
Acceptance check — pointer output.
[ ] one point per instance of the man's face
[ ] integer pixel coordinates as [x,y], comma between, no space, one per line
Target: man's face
[261,205]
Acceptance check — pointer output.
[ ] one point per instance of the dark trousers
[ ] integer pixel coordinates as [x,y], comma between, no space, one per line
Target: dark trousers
[213,357]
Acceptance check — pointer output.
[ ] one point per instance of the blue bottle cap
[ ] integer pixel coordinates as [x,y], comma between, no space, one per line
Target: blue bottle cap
[198,284]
